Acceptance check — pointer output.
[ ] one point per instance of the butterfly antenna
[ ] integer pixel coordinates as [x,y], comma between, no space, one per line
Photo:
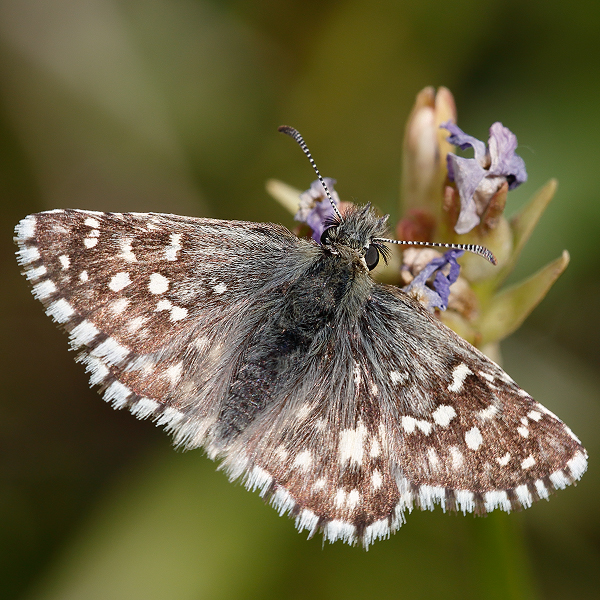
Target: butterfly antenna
[474,248]
[293,133]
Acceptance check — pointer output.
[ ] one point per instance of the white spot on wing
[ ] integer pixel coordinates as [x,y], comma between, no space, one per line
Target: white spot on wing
[303,412]
[159,284]
[523,496]
[558,479]
[340,498]
[60,310]
[577,465]
[170,418]
[282,501]
[91,222]
[487,413]
[473,438]
[119,305]
[465,501]
[307,520]
[353,499]
[398,377]
[117,394]
[496,499]
[127,251]
[90,242]
[163,305]
[375,448]
[459,374]
[443,414]
[178,313]
[424,426]
[433,458]
[409,424]
[503,460]
[319,484]
[97,369]
[65,261]
[83,276]
[44,289]
[541,490]
[26,228]
[376,479]
[429,495]
[83,334]
[144,407]
[220,288]
[523,431]
[351,444]
[377,531]
[28,255]
[119,281]
[258,479]
[36,273]
[528,462]
[174,372]
[136,323]
[111,351]
[456,456]
[172,250]
[534,415]
[281,453]
[303,460]
[339,530]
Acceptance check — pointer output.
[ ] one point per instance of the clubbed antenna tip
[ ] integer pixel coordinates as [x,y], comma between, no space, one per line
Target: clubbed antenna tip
[474,248]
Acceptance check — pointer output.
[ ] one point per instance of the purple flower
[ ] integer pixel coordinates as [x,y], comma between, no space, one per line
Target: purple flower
[478,179]
[436,297]
[315,209]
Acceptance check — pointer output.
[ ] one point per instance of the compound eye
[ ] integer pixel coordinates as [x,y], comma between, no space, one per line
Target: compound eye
[325,235]
[371,257]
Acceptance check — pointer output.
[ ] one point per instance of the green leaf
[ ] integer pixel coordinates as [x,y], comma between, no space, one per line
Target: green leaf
[523,223]
[508,309]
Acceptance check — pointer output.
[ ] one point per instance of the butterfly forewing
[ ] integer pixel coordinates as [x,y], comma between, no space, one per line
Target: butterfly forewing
[159,305]
[342,400]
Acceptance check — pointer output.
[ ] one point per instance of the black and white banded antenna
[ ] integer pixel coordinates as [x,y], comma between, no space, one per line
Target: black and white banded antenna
[474,248]
[293,133]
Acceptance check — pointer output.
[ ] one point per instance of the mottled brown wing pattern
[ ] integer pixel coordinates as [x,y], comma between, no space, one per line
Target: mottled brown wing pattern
[343,401]
[158,305]
[368,439]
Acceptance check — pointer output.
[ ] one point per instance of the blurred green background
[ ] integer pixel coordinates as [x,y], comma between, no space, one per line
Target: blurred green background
[173,105]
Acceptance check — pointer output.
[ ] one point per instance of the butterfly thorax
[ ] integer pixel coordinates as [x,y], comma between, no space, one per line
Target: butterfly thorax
[330,291]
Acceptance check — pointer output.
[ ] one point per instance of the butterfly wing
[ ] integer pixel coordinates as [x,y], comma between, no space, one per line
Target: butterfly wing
[403,414]
[242,338]
[158,305]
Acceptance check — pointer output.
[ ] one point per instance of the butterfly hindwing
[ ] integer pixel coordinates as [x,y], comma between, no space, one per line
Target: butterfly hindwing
[358,439]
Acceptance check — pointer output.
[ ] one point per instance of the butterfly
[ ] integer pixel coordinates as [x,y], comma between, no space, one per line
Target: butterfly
[341,400]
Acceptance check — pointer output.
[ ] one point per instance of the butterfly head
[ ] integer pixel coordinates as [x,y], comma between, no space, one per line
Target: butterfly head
[353,236]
